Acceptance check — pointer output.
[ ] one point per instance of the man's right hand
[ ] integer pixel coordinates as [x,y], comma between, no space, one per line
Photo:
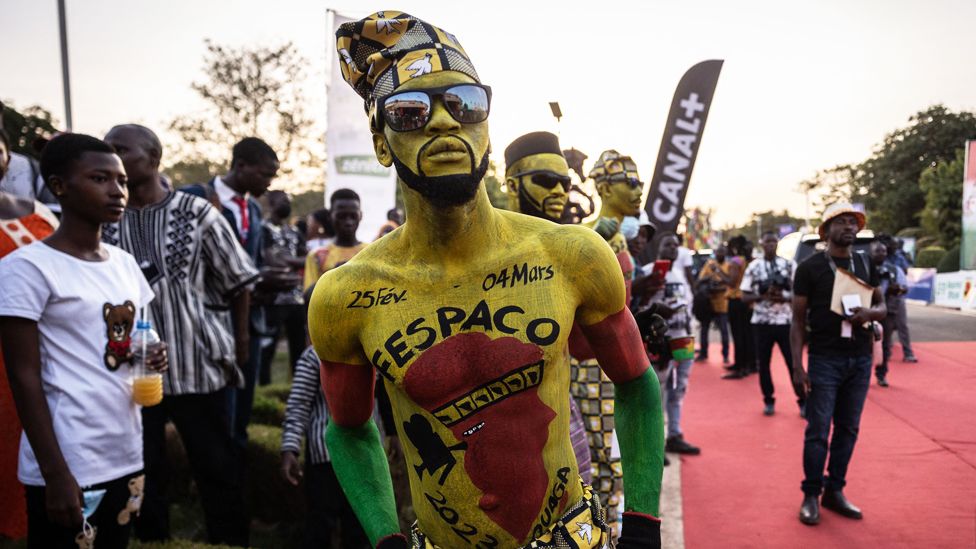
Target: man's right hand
[291,470]
[801,381]
[64,501]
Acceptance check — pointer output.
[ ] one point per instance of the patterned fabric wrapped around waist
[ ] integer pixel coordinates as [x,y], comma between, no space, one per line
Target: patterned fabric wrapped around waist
[582,526]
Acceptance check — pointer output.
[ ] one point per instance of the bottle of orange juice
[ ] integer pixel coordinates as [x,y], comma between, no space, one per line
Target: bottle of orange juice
[147,386]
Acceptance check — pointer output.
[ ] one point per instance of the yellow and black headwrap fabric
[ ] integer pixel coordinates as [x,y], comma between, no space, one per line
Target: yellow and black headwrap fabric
[613,167]
[381,51]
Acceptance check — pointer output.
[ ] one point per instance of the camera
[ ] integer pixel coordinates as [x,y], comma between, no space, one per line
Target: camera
[885,273]
[777,281]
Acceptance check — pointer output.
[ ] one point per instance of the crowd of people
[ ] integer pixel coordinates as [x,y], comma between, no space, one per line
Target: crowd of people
[529,370]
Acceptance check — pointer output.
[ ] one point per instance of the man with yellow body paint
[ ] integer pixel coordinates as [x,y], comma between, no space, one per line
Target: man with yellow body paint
[471,331]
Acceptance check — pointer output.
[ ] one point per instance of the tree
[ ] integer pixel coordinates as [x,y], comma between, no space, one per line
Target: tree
[942,185]
[888,182]
[764,221]
[249,92]
[24,128]
[833,185]
[493,184]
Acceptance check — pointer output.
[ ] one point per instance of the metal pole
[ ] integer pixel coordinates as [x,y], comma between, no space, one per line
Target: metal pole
[65,78]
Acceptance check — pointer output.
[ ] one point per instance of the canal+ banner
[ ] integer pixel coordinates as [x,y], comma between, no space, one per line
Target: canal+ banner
[351,163]
[679,145]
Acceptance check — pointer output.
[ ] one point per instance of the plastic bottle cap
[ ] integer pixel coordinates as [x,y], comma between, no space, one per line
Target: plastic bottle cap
[143,325]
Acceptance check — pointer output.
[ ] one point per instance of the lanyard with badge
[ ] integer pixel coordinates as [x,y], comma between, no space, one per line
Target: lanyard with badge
[849,292]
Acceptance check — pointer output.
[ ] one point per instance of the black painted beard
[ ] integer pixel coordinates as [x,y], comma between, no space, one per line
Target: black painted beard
[527,206]
[444,190]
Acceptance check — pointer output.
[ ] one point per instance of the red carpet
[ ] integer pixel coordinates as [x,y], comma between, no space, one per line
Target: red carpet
[913,472]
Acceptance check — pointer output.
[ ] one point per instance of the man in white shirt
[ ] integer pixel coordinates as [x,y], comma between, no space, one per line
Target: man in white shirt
[767,286]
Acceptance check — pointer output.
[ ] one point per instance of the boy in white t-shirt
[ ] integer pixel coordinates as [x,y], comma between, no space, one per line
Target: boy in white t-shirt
[67,308]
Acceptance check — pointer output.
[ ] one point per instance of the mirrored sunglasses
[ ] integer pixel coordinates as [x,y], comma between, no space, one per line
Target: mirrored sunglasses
[411,110]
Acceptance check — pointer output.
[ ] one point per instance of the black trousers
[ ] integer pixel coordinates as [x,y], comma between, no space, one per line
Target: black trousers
[289,319]
[215,460]
[107,520]
[768,335]
[329,510]
[740,321]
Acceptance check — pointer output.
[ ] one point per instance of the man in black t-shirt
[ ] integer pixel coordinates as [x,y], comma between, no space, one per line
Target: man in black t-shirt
[839,360]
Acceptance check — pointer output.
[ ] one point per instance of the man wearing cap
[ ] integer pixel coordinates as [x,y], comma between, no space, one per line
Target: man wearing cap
[465,312]
[537,176]
[836,294]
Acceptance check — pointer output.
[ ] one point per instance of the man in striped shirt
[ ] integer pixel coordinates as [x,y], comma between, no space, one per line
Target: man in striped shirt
[306,415]
[199,272]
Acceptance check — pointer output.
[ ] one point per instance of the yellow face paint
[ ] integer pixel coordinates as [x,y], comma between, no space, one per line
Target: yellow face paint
[549,202]
[444,146]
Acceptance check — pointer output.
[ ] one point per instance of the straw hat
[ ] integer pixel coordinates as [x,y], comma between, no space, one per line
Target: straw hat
[837,209]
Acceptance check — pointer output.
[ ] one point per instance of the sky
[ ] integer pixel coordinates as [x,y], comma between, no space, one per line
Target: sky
[805,85]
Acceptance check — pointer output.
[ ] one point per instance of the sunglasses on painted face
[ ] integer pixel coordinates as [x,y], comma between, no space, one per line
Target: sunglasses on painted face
[411,110]
[546,179]
[622,177]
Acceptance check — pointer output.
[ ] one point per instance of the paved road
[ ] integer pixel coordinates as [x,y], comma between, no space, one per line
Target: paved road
[925,323]
[930,323]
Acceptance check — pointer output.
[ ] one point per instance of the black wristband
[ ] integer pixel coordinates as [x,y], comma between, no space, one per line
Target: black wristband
[639,531]
[394,541]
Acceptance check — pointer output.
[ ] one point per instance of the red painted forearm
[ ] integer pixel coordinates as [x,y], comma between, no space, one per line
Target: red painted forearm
[616,342]
[348,392]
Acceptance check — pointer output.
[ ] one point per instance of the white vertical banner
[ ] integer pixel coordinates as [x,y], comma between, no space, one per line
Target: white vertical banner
[351,162]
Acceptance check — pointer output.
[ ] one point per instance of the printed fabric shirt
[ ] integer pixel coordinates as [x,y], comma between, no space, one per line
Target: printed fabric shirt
[85,312]
[326,258]
[306,413]
[194,262]
[759,271]
[676,293]
[283,241]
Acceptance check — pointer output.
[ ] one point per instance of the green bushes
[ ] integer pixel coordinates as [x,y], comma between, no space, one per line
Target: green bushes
[267,411]
[950,261]
[929,257]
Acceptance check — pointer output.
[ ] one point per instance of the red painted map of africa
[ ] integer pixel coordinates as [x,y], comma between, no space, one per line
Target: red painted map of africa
[504,457]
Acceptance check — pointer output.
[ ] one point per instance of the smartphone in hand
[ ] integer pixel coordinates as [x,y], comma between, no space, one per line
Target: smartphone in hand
[661,268]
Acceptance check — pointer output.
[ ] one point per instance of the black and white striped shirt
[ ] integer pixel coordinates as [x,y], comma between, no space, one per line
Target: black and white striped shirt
[306,412]
[194,263]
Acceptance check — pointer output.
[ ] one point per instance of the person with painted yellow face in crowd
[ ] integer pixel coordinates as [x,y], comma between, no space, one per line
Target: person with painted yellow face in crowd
[537,176]
[465,312]
[620,190]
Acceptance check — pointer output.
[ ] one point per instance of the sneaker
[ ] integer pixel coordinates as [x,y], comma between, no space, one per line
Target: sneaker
[678,445]
[701,358]
[882,381]
[769,409]
[911,359]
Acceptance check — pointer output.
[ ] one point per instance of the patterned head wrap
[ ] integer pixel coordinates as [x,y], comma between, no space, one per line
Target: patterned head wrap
[383,50]
[614,167]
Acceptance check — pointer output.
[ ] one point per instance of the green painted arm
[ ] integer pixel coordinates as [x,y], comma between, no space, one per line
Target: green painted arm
[364,474]
[640,432]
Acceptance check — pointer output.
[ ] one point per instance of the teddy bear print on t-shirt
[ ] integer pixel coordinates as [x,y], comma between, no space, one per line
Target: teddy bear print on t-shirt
[119,320]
